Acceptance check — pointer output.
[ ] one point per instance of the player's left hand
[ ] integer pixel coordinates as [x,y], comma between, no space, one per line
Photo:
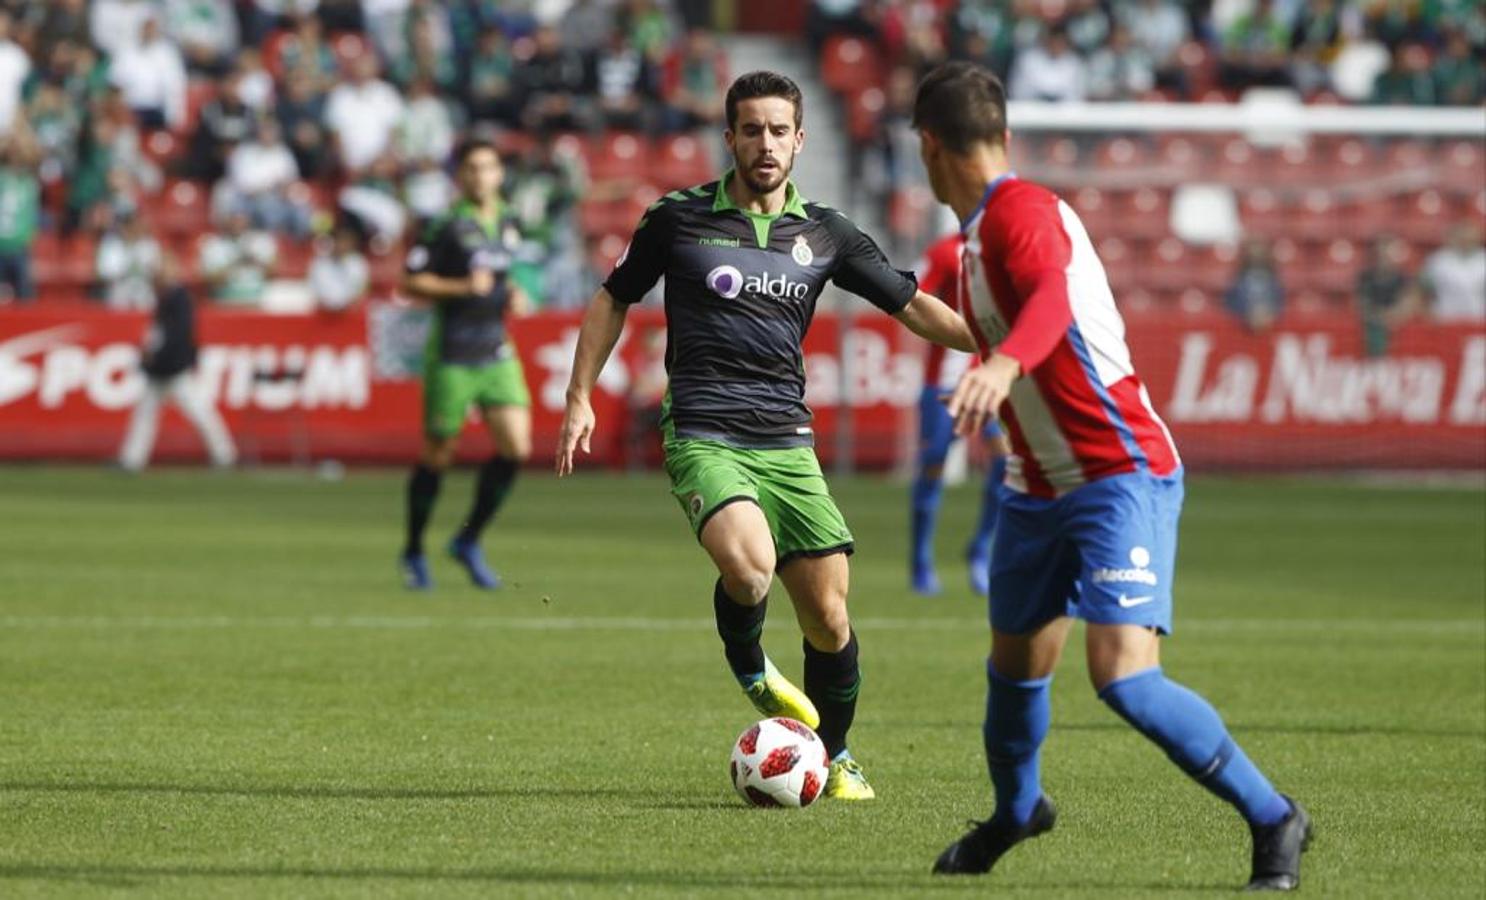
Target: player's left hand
[981,392]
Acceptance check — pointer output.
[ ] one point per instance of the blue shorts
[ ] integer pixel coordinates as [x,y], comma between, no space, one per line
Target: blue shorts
[936,430]
[1105,552]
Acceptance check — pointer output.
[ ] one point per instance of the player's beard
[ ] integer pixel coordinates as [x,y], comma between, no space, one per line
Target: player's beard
[765,182]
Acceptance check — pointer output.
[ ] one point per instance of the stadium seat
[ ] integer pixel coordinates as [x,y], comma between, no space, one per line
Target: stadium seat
[618,156]
[1179,156]
[181,208]
[1261,212]
[1351,160]
[1462,169]
[1422,217]
[1407,157]
[1144,213]
[849,65]
[1195,301]
[64,263]
[1234,163]
[1331,270]
[198,93]
[1295,165]
[1118,260]
[1199,66]
[605,252]
[681,161]
[1120,153]
[1315,218]
[863,113]
[1094,209]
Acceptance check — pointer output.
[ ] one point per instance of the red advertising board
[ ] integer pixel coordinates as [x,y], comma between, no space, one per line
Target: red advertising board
[344,387]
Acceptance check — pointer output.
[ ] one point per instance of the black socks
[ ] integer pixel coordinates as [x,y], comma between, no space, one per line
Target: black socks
[739,627]
[492,486]
[832,681]
[423,490]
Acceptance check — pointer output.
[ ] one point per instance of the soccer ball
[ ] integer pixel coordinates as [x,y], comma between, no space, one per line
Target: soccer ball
[779,762]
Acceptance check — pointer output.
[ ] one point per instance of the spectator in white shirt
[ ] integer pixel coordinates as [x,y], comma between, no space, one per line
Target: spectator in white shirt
[152,77]
[115,24]
[127,262]
[1158,26]
[260,174]
[1455,276]
[339,275]
[1048,71]
[427,129]
[205,30]
[238,261]
[1120,70]
[362,114]
[15,65]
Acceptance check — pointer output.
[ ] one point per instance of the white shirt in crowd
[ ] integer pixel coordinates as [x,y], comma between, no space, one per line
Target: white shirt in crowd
[152,76]
[363,117]
[254,168]
[1458,281]
[339,281]
[115,24]
[15,65]
[126,268]
[1038,75]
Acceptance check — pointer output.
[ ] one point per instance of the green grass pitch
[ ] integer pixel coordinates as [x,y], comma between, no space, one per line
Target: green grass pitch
[213,686]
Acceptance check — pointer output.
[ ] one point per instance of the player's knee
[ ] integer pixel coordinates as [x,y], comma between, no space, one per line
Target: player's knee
[826,624]
[437,454]
[747,583]
[520,451]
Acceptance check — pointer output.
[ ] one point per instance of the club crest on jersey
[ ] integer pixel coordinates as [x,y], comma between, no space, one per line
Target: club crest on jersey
[694,505]
[725,281]
[801,252]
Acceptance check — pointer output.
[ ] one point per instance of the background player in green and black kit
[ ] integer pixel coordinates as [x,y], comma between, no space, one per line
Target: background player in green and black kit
[744,259]
[461,266]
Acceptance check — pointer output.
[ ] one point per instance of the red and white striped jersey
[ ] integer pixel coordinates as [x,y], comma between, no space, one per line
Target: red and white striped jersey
[939,274]
[1033,288]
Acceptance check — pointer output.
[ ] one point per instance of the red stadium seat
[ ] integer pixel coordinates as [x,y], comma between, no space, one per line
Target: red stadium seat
[1093,207]
[64,264]
[618,156]
[1235,163]
[863,113]
[1261,213]
[1407,157]
[181,208]
[1352,160]
[1063,152]
[1316,218]
[1333,270]
[1199,66]
[849,65]
[1296,165]
[1179,157]
[198,93]
[1143,214]
[1120,153]
[1196,301]
[1118,259]
[1423,218]
[681,161]
[1462,167]
[605,252]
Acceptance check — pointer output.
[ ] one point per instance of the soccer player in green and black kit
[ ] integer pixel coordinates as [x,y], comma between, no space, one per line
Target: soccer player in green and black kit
[744,259]
[461,266]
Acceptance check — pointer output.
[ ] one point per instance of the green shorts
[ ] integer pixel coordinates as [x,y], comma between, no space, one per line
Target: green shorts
[786,484]
[448,391]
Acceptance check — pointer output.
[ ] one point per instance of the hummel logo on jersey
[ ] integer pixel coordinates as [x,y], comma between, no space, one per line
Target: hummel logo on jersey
[727,282]
[1127,602]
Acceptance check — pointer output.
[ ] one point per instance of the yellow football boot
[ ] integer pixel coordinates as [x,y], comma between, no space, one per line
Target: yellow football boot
[774,695]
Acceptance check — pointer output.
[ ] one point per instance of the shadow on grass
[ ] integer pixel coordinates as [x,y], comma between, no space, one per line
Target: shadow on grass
[130,875]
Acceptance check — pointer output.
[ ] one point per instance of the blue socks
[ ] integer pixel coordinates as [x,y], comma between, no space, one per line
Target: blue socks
[926,496]
[1193,736]
[1017,716]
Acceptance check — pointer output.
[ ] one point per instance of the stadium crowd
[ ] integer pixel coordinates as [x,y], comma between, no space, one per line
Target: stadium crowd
[282,150]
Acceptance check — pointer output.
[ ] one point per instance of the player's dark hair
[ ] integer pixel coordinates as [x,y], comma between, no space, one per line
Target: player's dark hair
[962,105]
[753,85]
[471,146]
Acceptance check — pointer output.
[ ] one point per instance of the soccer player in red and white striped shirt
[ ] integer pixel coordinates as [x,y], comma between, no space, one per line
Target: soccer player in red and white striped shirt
[1088,520]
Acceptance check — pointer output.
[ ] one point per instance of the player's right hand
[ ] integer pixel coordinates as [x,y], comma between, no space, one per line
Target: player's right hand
[981,391]
[577,430]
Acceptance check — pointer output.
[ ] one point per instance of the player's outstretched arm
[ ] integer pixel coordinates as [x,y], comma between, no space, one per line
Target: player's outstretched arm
[931,319]
[599,333]
[434,288]
[981,391]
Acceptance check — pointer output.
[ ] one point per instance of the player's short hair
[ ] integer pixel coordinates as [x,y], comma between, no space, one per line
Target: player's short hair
[753,85]
[471,146]
[961,104]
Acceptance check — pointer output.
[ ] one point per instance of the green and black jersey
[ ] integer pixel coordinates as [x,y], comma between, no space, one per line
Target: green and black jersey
[470,331]
[740,292]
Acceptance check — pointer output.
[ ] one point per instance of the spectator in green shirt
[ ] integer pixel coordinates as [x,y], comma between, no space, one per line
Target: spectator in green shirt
[1457,72]
[1256,48]
[1407,80]
[20,208]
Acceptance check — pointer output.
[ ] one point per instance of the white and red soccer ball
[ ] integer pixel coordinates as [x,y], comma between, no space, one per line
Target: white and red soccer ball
[779,762]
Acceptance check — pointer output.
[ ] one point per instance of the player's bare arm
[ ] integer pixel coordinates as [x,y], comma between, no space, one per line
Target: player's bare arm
[602,324]
[931,319]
